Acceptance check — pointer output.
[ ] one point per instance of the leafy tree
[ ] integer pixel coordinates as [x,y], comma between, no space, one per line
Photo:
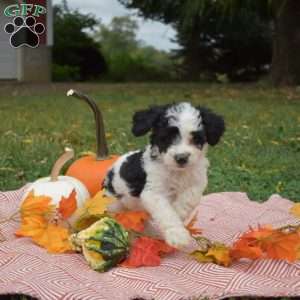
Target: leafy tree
[76,55]
[284,13]
[119,36]
[127,57]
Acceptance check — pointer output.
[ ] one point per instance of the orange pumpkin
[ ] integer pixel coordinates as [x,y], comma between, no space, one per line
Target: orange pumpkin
[90,169]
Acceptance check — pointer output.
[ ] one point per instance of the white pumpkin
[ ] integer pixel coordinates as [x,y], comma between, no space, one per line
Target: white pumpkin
[57,187]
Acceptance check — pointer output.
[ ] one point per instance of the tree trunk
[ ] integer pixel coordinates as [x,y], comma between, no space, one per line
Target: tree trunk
[192,58]
[286,43]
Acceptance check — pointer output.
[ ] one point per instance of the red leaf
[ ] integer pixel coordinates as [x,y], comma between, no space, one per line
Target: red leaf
[146,252]
[67,206]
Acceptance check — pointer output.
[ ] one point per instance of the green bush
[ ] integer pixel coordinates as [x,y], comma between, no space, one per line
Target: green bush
[65,73]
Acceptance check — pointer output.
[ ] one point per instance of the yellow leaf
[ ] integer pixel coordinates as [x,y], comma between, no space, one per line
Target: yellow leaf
[220,253]
[279,187]
[32,226]
[98,204]
[27,141]
[54,238]
[92,210]
[201,257]
[85,221]
[295,210]
[36,205]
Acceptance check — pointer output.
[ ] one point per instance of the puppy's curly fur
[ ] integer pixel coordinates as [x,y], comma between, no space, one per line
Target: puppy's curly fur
[168,178]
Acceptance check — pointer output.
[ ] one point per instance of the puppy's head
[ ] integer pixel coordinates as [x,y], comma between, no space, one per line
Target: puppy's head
[179,132]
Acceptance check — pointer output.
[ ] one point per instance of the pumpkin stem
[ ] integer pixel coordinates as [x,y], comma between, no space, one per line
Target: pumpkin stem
[69,153]
[101,144]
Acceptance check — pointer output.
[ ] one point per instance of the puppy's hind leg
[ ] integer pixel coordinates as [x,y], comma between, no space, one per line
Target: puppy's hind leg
[166,218]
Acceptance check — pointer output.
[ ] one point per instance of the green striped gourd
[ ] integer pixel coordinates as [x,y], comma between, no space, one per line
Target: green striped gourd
[104,244]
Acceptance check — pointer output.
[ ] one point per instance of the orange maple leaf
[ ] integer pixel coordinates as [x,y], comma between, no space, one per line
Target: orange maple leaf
[54,238]
[32,226]
[248,245]
[36,205]
[67,206]
[266,242]
[132,220]
[245,249]
[146,251]
[191,226]
[281,245]
[50,236]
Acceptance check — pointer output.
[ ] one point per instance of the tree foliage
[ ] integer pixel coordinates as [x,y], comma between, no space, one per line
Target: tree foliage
[230,46]
[215,36]
[127,57]
[76,55]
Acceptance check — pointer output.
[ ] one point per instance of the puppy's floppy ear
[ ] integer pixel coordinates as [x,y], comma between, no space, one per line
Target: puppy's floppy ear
[214,125]
[144,120]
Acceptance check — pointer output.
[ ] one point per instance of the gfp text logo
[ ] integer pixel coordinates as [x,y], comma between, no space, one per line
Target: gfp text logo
[24,9]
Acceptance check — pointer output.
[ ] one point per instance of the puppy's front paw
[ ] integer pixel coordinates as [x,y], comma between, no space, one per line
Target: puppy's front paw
[178,237]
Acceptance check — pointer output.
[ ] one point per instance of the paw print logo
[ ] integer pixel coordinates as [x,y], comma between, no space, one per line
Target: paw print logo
[24,32]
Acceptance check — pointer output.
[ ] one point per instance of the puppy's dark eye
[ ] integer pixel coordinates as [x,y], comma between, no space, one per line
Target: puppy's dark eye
[198,138]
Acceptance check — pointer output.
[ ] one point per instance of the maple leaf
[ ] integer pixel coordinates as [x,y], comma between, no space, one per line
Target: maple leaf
[248,245]
[281,245]
[36,205]
[191,226]
[50,236]
[268,243]
[146,251]
[295,210]
[217,253]
[245,249]
[93,210]
[67,206]
[298,253]
[220,253]
[32,226]
[200,256]
[54,238]
[132,220]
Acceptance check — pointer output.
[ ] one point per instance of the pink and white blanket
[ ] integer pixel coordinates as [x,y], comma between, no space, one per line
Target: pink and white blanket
[28,269]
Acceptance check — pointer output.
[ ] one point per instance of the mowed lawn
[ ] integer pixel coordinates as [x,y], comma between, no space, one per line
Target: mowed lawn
[259,154]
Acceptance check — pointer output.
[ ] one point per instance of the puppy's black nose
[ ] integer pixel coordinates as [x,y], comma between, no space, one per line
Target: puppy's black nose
[182,158]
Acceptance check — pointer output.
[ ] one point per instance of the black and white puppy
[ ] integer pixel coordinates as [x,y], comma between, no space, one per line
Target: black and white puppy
[168,178]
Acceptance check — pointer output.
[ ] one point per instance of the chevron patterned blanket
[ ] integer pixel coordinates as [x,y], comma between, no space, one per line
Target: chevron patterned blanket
[28,269]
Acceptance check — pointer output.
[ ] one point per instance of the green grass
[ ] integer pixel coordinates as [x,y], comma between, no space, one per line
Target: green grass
[259,153]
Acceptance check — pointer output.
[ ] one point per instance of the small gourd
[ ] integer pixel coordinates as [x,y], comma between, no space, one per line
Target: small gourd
[58,187]
[104,244]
